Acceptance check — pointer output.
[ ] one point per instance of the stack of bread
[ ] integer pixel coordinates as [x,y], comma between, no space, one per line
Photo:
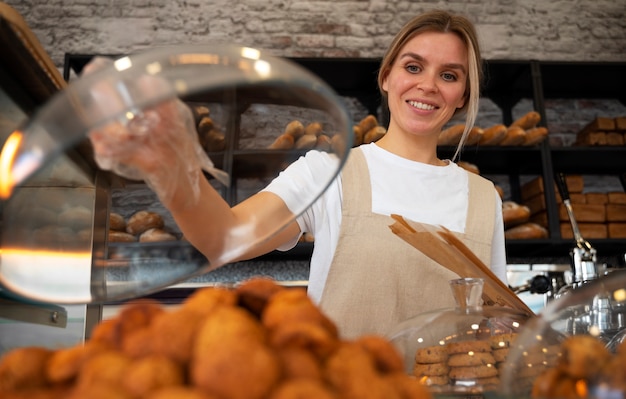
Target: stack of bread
[141,226]
[210,135]
[313,136]
[598,214]
[258,340]
[603,131]
[524,131]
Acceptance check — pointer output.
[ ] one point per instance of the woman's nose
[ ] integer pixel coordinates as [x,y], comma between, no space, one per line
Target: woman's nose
[427,82]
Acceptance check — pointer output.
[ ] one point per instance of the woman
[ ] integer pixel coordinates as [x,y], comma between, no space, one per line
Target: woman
[362,275]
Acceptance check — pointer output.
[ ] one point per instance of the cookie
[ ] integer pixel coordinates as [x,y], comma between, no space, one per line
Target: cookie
[431,354]
[420,370]
[471,359]
[472,372]
[500,354]
[468,346]
[502,340]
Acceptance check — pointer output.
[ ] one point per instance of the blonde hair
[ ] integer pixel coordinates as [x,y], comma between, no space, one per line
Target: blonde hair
[444,22]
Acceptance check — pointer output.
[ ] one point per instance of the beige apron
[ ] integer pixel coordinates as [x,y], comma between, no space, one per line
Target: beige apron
[376,279]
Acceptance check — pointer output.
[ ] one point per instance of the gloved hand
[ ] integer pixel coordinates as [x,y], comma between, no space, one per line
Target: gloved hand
[158,145]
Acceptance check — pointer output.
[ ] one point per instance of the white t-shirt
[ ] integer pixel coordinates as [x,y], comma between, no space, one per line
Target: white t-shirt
[436,195]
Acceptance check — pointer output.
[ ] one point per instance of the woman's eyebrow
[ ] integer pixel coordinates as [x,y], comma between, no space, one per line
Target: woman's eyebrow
[418,57]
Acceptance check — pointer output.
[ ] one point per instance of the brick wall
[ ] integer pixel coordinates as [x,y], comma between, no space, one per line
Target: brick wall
[509,29]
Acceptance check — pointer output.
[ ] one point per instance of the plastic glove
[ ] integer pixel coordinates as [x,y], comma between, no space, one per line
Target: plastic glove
[158,145]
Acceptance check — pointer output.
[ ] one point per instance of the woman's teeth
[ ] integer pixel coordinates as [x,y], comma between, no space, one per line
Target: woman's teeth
[423,106]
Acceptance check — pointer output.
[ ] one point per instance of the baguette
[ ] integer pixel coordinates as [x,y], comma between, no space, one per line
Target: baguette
[535,135]
[451,135]
[474,135]
[528,121]
[515,135]
[294,129]
[367,123]
[358,135]
[493,135]
[306,142]
[283,142]
[323,143]
[313,128]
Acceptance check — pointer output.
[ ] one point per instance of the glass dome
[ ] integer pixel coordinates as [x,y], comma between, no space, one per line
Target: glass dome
[460,350]
[56,202]
[575,347]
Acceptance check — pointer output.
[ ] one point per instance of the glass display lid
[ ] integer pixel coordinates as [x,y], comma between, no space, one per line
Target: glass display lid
[576,348]
[459,351]
[74,233]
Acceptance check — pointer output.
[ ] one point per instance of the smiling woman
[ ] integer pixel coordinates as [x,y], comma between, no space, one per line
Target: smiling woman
[361,274]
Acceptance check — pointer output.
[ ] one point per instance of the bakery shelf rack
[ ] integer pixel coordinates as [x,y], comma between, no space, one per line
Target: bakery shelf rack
[506,83]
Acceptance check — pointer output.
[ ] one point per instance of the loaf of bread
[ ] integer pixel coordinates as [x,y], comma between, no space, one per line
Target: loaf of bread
[142,221]
[493,135]
[295,129]
[528,120]
[367,123]
[120,236]
[451,135]
[515,135]
[374,134]
[535,135]
[156,235]
[283,142]
[526,231]
[514,214]
[474,136]
[117,222]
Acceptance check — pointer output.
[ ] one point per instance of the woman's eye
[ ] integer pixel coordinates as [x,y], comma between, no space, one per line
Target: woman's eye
[448,77]
[412,68]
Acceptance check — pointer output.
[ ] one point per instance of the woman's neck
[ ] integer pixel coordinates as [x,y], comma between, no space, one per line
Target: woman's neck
[416,148]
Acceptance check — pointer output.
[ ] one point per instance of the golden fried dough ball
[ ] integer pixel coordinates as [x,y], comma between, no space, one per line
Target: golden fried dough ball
[204,300]
[254,293]
[302,389]
[305,335]
[407,386]
[179,392]
[100,390]
[385,355]
[554,383]
[351,370]
[24,368]
[294,305]
[583,356]
[151,373]
[53,392]
[299,363]
[237,369]
[173,334]
[133,316]
[227,322]
[105,368]
[138,343]
[64,364]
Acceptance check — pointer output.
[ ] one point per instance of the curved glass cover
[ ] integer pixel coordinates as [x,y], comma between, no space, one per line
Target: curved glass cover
[60,242]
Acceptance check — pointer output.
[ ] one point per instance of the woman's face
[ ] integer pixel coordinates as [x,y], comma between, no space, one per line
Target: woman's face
[426,83]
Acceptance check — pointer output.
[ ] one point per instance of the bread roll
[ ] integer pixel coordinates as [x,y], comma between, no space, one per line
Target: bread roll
[367,123]
[374,134]
[117,222]
[535,135]
[515,135]
[451,135]
[358,136]
[120,236]
[526,231]
[156,235]
[493,135]
[528,121]
[142,221]
[514,214]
